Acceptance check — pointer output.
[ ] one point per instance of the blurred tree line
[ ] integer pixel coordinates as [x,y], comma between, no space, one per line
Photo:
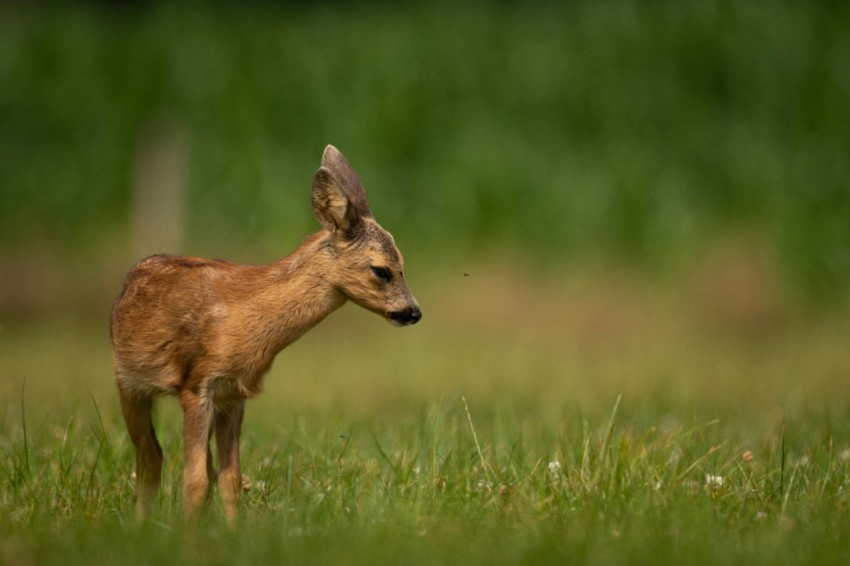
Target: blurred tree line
[639,129]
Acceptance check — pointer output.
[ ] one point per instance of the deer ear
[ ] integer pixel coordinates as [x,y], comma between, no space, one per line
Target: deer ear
[347,179]
[332,207]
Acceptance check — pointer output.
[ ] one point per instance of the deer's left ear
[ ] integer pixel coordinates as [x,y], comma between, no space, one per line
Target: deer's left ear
[332,207]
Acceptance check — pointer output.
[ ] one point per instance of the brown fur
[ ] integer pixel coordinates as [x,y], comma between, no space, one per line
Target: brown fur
[208,330]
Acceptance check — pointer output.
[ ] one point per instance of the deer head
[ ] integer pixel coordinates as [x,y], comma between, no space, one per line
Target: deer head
[368,267]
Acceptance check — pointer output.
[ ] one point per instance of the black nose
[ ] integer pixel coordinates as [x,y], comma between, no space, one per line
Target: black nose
[410,315]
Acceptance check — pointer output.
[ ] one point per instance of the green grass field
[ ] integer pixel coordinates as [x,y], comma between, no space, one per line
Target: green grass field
[588,419]
[648,362]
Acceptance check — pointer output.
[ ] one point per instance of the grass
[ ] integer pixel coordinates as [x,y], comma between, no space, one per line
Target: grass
[469,438]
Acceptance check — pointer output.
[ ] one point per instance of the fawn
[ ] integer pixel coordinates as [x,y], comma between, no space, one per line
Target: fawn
[207,330]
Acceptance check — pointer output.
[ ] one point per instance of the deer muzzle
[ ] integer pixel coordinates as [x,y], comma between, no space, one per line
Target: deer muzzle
[405,317]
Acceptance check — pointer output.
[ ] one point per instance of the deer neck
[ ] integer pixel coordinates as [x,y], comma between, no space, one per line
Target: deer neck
[300,293]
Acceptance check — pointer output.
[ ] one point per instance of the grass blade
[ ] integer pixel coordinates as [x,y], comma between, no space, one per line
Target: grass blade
[24,429]
[605,442]
[486,467]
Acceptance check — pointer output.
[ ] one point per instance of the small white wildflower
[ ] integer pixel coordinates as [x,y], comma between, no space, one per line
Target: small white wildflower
[554,466]
[804,461]
[844,456]
[714,482]
[484,485]
[657,486]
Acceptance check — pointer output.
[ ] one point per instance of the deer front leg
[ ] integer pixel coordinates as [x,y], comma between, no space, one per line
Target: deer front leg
[197,422]
[228,425]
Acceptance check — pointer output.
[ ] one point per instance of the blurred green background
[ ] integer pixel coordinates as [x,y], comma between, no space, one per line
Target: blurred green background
[557,134]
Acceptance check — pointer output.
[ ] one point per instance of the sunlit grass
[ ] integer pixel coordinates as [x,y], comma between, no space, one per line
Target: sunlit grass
[490,438]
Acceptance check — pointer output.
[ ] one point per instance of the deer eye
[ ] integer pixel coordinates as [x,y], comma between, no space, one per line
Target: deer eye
[382,273]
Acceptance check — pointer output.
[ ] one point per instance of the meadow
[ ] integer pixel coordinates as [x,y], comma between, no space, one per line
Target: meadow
[586,419]
[627,224]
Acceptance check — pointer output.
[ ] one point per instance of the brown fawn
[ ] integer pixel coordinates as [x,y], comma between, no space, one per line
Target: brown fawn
[207,330]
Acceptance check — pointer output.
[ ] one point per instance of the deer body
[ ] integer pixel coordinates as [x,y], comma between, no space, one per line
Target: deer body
[207,330]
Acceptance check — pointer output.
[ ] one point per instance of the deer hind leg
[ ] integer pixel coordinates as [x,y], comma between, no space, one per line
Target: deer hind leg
[137,408]
[198,471]
[228,426]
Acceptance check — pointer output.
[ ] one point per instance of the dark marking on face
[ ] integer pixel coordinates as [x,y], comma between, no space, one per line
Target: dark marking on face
[387,247]
[379,240]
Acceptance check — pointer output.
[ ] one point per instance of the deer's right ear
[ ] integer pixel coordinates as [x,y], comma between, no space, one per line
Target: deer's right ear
[331,206]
